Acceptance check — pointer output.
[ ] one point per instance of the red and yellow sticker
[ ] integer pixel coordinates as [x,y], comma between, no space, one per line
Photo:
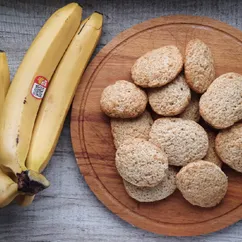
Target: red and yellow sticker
[39,87]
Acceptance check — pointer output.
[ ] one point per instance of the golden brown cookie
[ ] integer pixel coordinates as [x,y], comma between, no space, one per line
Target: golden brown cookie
[202,183]
[152,194]
[220,106]
[123,129]
[123,100]
[228,145]
[141,163]
[199,65]
[171,99]
[183,141]
[158,67]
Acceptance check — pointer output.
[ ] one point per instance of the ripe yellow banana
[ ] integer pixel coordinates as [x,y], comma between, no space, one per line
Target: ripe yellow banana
[59,95]
[8,189]
[4,78]
[27,90]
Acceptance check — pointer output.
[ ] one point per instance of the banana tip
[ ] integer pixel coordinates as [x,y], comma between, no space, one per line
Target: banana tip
[1,51]
[98,12]
[31,182]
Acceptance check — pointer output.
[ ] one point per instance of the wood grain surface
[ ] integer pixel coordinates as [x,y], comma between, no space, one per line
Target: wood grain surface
[68,210]
[91,132]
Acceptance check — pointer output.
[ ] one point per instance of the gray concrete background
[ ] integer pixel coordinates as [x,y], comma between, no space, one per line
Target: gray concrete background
[68,210]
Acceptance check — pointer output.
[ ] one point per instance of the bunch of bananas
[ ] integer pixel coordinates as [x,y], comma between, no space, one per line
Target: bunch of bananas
[34,107]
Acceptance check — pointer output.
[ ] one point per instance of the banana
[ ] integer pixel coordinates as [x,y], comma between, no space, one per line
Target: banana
[27,90]
[8,189]
[59,95]
[4,77]
[61,91]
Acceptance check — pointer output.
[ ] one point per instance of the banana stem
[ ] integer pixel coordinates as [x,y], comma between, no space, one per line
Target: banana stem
[31,182]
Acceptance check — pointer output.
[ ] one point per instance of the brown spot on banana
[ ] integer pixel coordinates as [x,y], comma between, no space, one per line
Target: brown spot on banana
[17,140]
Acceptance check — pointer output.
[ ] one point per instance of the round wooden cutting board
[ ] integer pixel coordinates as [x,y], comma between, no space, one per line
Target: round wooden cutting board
[92,139]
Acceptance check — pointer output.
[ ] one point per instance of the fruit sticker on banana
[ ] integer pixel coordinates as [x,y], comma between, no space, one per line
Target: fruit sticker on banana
[39,87]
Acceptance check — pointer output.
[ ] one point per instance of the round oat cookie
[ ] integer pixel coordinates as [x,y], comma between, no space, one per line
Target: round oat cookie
[183,141]
[141,163]
[192,110]
[151,194]
[171,99]
[228,145]
[220,105]
[158,67]
[123,129]
[199,66]
[123,100]
[202,183]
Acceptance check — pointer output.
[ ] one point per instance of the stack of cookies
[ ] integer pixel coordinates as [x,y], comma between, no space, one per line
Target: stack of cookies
[192,124]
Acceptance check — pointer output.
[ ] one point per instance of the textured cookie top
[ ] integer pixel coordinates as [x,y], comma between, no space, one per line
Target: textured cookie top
[157,67]
[183,141]
[123,129]
[202,183]
[221,104]
[123,100]
[199,65]
[228,145]
[211,155]
[141,163]
[152,194]
[192,110]
[171,99]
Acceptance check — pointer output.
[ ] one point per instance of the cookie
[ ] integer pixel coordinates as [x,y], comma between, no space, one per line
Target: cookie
[123,100]
[171,99]
[228,145]
[183,141]
[152,194]
[202,183]
[220,105]
[199,66]
[211,155]
[141,163]
[123,129]
[157,67]
[192,110]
